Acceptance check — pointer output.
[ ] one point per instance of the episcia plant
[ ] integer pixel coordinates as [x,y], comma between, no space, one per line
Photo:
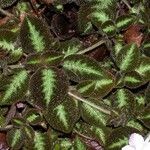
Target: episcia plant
[74,75]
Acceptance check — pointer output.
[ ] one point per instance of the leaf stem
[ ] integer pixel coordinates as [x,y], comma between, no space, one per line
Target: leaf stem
[6,13]
[16,66]
[8,127]
[127,4]
[91,47]
[85,101]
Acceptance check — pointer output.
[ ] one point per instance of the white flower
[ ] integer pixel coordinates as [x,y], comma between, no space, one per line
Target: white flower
[137,142]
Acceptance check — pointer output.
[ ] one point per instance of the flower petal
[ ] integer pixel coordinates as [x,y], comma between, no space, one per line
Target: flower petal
[146,146]
[137,141]
[128,147]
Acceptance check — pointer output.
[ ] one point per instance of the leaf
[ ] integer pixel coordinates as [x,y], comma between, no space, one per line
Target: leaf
[128,57]
[147,94]
[124,21]
[133,35]
[18,122]
[100,134]
[32,116]
[79,144]
[146,48]
[35,35]
[9,46]
[48,86]
[144,68]
[84,23]
[95,112]
[34,61]
[82,67]
[41,141]
[6,3]
[133,80]
[15,138]
[3,142]
[109,28]
[124,99]
[144,117]
[96,88]
[135,124]
[70,47]
[119,137]
[16,88]
[62,117]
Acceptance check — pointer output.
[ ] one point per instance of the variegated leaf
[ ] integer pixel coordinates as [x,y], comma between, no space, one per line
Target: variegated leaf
[18,122]
[96,88]
[70,47]
[34,61]
[147,94]
[140,102]
[32,116]
[133,80]
[144,117]
[135,124]
[35,35]
[95,112]
[8,45]
[84,23]
[128,57]
[62,117]
[82,67]
[41,141]
[6,3]
[79,144]
[146,48]
[144,68]
[48,86]
[124,99]
[119,138]
[16,88]
[109,28]
[100,133]
[124,21]
[15,138]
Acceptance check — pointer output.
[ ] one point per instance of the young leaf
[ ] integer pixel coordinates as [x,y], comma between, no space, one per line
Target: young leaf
[34,61]
[48,86]
[35,35]
[82,67]
[144,68]
[15,138]
[128,57]
[62,117]
[16,88]
[32,116]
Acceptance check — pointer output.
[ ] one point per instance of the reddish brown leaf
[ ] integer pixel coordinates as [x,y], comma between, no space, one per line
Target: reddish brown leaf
[3,144]
[134,35]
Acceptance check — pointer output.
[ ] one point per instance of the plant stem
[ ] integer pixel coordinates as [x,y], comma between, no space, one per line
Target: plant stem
[16,66]
[91,47]
[127,4]
[6,13]
[87,102]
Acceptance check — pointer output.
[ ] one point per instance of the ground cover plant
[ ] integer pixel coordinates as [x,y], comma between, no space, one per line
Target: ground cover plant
[74,75]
